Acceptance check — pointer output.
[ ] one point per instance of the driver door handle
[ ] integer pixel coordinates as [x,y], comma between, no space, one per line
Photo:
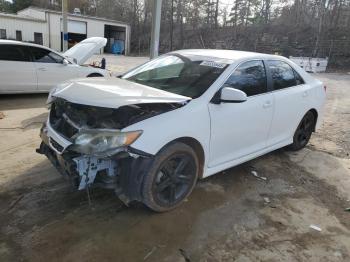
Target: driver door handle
[267,104]
[42,69]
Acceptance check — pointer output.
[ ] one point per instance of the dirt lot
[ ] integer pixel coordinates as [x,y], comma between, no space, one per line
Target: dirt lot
[229,216]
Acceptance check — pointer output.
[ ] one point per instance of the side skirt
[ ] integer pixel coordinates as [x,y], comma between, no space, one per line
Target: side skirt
[219,168]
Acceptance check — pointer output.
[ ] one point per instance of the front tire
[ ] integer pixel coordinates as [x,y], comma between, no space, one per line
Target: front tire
[171,178]
[95,75]
[303,132]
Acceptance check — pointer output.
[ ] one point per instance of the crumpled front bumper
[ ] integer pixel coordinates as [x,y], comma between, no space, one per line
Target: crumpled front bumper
[123,172]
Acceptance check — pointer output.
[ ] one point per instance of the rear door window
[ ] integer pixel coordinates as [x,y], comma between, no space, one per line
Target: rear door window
[282,74]
[13,53]
[249,77]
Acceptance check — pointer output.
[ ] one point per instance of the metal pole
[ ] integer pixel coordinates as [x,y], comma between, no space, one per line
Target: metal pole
[156,14]
[171,25]
[64,25]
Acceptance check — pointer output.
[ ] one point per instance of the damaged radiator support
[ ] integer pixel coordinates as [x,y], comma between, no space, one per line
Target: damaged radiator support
[89,166]
[122,172]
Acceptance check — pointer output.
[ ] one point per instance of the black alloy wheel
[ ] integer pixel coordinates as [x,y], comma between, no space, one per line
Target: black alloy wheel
[171,178]
[174,179]
[303,133]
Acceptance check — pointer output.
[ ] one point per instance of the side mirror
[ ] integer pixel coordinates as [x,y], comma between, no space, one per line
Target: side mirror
[232,95]
[65,62]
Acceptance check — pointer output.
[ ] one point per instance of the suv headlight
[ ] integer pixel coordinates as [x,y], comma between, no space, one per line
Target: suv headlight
[97,141]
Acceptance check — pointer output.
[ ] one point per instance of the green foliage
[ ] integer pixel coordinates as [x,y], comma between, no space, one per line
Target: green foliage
[5,6]
[14,6]
[18,5]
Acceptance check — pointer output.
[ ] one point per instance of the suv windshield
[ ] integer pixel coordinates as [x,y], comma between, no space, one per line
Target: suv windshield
[183,75]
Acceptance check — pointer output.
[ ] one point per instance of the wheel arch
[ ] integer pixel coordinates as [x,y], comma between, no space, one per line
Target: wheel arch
[94,75]
[315,113]
[196,146]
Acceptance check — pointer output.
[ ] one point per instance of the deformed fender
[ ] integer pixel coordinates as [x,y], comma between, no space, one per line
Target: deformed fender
[133,169]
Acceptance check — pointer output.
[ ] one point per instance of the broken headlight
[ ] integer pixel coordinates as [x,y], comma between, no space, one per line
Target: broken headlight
[98,141]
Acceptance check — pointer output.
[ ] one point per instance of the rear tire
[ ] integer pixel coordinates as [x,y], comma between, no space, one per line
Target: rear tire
[171,177]
[303,132]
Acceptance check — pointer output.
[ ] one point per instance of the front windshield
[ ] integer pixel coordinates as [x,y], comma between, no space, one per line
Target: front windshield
[182,75]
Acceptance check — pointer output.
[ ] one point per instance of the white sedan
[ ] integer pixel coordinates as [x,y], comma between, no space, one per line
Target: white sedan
[31,68]
[186,115]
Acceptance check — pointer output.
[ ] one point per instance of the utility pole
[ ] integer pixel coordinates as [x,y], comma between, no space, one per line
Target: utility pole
[171,25]
[156,15]
[64,25]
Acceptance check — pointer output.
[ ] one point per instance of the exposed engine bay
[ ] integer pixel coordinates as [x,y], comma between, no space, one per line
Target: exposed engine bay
[67,118]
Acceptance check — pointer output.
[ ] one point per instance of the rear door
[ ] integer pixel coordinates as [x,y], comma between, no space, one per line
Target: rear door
[17,72]
[291,96]
[50,68]
[240,129]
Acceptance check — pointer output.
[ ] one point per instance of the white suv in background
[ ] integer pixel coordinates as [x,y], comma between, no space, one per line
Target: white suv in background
[31,68]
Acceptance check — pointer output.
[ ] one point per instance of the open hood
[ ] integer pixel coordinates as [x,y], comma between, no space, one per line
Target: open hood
[85,49]
[113,93]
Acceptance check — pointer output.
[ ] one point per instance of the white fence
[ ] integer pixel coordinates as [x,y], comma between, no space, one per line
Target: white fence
[311,64]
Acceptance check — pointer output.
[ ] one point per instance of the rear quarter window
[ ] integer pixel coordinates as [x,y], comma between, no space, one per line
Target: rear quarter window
[299,80]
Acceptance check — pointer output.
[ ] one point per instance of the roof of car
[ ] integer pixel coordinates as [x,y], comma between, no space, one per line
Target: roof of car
[226,54]
[13,42]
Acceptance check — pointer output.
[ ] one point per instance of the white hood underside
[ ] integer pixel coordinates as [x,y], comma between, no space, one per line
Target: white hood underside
[113,93]
[85,49]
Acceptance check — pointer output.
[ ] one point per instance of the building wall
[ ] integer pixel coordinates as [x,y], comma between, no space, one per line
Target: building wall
[49,24]
[27,27]
[94,28]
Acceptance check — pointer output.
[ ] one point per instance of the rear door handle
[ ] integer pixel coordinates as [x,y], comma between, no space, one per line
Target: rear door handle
[42,69]
[267,104]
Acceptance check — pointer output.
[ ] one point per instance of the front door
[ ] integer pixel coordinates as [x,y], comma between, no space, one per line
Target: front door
[240,129]
[50,68]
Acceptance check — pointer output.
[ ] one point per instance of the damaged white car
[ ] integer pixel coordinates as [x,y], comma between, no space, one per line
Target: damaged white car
[186,115]
[31,68]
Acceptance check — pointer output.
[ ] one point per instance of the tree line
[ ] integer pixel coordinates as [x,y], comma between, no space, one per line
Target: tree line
[318,28]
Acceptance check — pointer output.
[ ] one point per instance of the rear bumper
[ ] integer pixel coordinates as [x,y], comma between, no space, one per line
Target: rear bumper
[122,172]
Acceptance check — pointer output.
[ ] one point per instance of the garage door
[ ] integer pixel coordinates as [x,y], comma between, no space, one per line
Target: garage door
[76,27]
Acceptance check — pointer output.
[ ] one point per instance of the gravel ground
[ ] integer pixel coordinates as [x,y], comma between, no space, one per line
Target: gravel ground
[229,216]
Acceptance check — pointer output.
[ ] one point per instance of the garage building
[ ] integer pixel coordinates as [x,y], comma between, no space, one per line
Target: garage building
[44,26]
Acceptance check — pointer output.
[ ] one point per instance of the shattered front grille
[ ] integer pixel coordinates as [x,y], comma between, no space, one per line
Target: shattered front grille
[59,123]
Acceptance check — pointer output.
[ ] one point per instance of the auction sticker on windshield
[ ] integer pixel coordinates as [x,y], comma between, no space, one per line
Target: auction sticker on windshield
[213,64]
